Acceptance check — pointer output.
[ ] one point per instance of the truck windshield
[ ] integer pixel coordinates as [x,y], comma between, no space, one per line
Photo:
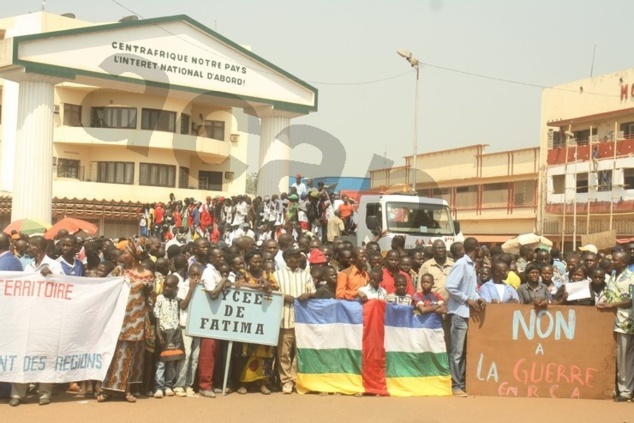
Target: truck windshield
[419,218]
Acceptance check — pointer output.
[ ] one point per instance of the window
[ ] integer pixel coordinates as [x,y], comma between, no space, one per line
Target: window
[584,135]
[72,115]
[524,193]
[559,184]
[215,129]
[418,218]
[604,180]
[67,168]
[628,129]
[558,139]
[183,177]
[115,172]
[628,178]
[582,182]
[495,195]
[113,117]
[157,175]
[211,181]
[158,120]
[466,197]
[184,124]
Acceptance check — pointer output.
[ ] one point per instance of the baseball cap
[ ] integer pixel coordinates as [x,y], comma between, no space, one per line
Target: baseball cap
[589,247]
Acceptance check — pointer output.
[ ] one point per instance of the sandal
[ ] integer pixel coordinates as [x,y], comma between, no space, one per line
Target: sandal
[242,390]
[101,397]
[129,397]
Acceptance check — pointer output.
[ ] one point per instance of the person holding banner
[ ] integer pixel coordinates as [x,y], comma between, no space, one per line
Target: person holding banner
[126,367]
[213,282]
[295,283]
[256,361]
[46,266]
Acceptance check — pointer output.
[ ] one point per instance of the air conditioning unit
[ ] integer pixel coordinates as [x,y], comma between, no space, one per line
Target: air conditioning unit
[620,135]
[54,161]
[235,137]
[229,175]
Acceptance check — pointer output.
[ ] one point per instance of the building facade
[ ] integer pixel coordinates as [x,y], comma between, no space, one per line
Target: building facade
[587,145]
[125,113]
[492,195]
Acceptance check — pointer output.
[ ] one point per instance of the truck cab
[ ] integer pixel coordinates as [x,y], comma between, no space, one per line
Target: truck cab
[420,220]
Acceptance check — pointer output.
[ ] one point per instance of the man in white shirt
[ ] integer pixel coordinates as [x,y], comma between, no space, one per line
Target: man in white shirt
[299,185]
[241,210]
[211,279]
[46,266]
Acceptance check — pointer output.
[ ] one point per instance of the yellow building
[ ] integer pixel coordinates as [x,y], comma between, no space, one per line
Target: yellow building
[587,151]
[100,118]
[493,195]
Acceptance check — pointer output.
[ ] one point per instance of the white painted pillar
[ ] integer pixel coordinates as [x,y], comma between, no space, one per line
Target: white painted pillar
[10,91]
[32,181]
[274,146]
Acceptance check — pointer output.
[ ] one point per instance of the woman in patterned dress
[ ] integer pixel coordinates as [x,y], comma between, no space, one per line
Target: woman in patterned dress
[255,361]
[126,367]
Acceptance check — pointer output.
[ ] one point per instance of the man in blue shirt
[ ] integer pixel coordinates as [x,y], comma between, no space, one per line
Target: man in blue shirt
[461,285]
[7,260]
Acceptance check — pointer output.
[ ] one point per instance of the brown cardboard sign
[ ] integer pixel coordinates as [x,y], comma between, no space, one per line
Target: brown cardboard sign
[516,350]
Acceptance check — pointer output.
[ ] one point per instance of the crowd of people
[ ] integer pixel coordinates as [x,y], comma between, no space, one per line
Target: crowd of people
[298,261]
[304,208]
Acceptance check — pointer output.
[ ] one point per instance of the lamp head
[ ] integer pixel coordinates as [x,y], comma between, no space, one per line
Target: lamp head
[404,53]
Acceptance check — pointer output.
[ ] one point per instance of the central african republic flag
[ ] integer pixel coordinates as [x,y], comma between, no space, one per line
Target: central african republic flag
[372,348]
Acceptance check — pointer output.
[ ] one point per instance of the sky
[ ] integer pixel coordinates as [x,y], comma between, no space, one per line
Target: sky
[347,50]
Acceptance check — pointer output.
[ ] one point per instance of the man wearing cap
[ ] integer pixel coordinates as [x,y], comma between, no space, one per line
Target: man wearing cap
[294,283]
[291,211]
[299,186]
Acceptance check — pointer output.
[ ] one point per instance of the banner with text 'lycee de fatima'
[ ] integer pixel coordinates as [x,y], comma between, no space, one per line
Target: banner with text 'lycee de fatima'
[58,328]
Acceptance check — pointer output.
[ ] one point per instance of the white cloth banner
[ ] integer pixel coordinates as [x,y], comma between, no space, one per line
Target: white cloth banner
[58,328]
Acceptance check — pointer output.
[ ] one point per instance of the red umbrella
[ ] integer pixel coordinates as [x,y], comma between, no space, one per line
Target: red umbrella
[72,226]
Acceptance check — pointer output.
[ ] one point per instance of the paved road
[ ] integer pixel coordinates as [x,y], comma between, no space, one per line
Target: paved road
[296,408]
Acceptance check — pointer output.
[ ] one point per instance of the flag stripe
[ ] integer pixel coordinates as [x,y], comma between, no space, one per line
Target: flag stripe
[328,312]
[415,340]
[404,317]
[419,386]
[329,336]
[373,348]
[343,383]
[401,364]
[329,361]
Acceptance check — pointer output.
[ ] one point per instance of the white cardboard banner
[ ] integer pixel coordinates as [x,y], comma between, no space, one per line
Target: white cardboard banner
[58,328]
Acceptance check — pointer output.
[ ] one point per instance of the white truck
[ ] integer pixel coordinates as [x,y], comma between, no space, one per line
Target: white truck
[420,220]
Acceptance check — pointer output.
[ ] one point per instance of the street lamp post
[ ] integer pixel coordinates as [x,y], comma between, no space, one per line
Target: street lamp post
[416,65]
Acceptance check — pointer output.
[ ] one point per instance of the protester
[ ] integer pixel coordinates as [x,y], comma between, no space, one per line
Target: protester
[295,283]
[463,296]
[126,367]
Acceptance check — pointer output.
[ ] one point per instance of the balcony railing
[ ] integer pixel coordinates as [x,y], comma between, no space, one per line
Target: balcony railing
[210,150]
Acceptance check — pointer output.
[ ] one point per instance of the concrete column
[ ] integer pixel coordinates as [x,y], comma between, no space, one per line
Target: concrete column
[32,178]
[10,91]
[274,147]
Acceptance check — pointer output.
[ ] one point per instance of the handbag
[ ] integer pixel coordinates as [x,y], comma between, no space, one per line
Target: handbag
[173,348]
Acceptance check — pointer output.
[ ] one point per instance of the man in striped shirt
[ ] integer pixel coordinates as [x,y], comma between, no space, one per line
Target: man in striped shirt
[295,283]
